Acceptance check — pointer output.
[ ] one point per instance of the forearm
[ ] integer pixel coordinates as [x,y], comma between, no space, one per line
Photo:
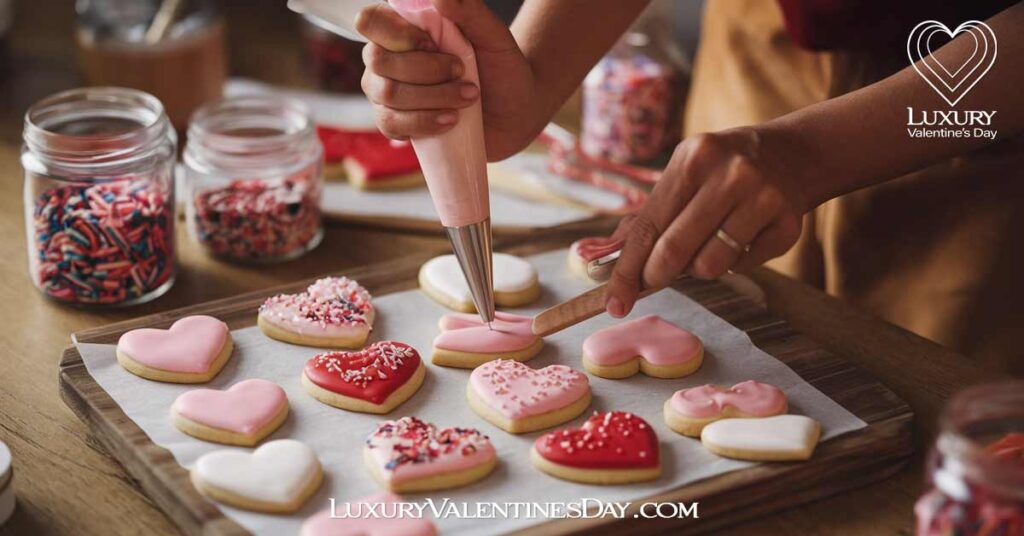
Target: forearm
[562,40]
[861,138]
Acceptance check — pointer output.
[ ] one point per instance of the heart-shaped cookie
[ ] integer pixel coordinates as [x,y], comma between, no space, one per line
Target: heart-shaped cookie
[519,399]
[375,379]
[688,411]
[242,415]
[466,342]
[192,350]
[334,312]
[515,282]
[277,477]
[779,438]
[409,455]
[613,447]
[648,344]
[376,515]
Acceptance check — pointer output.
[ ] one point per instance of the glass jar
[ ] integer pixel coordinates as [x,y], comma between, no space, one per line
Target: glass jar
[976,469]
[254,178]
[99,196]
[333,62]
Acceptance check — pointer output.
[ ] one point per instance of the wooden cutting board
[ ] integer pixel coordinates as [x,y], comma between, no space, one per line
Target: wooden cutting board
[851,460]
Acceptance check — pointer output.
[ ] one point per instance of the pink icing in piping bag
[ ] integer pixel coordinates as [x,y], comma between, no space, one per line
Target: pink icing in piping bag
[454,163]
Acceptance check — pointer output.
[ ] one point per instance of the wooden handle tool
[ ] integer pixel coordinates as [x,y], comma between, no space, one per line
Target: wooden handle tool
[575,310]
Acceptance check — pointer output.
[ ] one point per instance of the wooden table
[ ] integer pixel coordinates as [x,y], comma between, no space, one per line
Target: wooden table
[67,484]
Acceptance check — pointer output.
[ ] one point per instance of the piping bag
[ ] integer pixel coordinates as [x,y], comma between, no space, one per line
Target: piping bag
[454,163]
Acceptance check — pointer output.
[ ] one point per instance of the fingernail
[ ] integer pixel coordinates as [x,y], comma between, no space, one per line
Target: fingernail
[469,91]
[615,307]
[447,118]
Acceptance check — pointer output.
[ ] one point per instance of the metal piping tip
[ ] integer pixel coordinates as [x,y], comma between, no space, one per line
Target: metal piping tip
[472,247]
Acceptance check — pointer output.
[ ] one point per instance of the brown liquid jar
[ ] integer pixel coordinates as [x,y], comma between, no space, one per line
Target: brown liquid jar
[172,49]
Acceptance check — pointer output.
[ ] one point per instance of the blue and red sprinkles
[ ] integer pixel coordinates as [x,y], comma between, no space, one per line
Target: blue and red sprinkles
[104,243]
[259,219]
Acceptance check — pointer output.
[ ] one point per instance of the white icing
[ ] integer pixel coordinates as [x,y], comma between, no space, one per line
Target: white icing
[511,274]
[277,472]
[782,433]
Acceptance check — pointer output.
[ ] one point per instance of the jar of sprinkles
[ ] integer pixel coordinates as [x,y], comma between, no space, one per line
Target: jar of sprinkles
[976,469]
[99,196]
[254,179]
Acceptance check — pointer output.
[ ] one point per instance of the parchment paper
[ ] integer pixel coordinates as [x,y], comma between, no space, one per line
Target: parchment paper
[411,317]
[340,198]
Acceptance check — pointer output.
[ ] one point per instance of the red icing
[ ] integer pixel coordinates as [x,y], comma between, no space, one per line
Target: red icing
[376,156]
[608,440]
[369,374]
[1010,448]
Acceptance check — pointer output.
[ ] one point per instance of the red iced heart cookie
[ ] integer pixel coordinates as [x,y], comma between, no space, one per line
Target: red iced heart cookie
[610,448]
[241,415]
[375,379]
[409,455]
[193,350]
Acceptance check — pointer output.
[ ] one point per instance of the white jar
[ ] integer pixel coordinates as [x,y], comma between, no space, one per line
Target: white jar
[6,484]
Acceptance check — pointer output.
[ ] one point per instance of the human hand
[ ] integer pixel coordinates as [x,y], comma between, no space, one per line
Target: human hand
[417,91]
[730,182]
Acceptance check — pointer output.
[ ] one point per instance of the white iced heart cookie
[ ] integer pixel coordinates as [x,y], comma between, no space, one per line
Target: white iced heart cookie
[278,477]
[515,282]
[780,438]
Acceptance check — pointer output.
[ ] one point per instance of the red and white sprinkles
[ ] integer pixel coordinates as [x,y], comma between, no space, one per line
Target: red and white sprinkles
[331,301]
[410,441]
[615,439]
[379,361]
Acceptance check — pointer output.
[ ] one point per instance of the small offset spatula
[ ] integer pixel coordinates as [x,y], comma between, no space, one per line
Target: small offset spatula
[576,310]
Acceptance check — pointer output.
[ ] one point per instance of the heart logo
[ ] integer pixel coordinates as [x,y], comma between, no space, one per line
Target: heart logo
[190,346]
[376,515]
[370,374]
[608,440]
[952,84]
[246,408]
[277,477]
[407,450]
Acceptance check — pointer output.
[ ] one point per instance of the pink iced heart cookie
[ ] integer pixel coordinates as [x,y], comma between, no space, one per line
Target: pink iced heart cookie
[409,455]
[193,350]
[519,399]
[688,411]
[242,415]
[334,312]
[466,342]
[376,515]
[648,344]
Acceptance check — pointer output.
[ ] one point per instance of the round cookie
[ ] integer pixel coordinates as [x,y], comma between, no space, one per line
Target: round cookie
[355,519]
[648,344]
[334,312]
[277,477]
[515,282]
[408,455]
[192,350]
[375,379]
[587,250]
[520,399]
[242,415]
[466,341]
[778,438]
[613,447]
[688,411]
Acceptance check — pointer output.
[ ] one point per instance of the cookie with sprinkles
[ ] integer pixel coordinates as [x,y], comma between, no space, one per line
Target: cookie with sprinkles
[376,379]
[334,312]
[409,455]
[520,399]
[612,447]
